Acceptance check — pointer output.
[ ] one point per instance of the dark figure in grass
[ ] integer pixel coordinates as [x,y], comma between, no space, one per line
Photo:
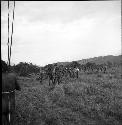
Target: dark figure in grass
[58,75]
[9,85]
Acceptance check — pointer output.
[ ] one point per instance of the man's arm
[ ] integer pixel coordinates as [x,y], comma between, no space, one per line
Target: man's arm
[17,86]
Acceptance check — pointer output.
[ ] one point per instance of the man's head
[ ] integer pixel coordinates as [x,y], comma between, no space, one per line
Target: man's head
[4,66]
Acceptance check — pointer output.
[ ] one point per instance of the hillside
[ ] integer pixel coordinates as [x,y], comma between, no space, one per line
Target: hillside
[103,59]
[26,68]
[90,99]
[98,60]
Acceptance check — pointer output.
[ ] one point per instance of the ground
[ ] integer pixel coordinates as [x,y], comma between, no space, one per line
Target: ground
[92,99]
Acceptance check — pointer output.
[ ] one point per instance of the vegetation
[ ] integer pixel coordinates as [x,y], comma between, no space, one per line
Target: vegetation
[24,69]
[92,99]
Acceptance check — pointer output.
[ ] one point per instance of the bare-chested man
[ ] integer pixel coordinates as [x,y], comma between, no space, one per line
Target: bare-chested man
[9,85]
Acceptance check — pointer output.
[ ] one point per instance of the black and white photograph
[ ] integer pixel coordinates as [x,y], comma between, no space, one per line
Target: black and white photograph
[61,62]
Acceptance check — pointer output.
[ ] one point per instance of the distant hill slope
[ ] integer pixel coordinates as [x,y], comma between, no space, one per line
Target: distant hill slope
[103,59]
[98,60]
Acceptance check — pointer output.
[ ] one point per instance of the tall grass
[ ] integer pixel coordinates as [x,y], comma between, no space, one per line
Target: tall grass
[88,100]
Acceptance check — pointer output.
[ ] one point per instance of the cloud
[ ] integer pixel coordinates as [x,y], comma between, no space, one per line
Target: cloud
[64,11]
[48,32]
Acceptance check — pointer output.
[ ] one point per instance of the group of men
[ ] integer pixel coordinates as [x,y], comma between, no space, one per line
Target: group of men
[92,67]
[55,73]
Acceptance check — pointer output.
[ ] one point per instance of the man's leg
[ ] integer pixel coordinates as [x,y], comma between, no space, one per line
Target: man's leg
[5,119]
[12,108]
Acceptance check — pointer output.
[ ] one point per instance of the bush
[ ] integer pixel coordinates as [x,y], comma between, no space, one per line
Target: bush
[57,93]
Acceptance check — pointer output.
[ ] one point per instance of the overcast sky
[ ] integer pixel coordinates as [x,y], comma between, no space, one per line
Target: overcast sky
[47,32]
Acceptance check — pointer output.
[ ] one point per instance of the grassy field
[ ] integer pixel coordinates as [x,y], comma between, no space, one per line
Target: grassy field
[92,99]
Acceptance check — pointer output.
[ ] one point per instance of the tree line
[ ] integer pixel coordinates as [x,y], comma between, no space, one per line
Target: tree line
[24,68]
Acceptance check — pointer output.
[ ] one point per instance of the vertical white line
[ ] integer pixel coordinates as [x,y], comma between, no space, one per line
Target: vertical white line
[9,109]
[9,117]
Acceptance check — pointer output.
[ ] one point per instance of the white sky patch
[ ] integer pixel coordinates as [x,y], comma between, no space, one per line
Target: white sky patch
[48,32]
